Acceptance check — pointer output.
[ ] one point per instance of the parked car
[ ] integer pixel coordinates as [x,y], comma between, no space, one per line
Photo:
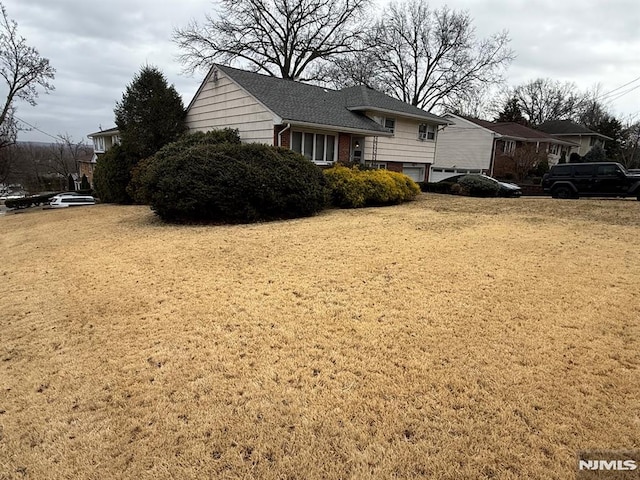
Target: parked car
[598,179]
[71,199]
[505,189]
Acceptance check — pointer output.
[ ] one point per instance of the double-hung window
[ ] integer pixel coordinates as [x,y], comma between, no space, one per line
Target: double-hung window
[390,124]
[317,147]
[426,132]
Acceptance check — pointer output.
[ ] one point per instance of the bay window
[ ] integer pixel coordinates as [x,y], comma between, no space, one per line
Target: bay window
[317,147]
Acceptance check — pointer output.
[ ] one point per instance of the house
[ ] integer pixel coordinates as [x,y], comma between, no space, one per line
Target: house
[102,141]
[573,132]
[356,124]
[463,147]
[86,165]
[472,145]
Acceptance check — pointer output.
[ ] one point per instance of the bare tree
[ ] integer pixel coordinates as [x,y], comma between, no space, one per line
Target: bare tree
[545,99]
[283,38]
[430,58]
[65,155]
[23,70]
[630,151]
[526,158]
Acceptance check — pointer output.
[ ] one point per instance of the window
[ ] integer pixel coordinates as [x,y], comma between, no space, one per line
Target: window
[562,170]
[608,170]
[509,146]
[554,149]
[115,140]
[583,171]
[426,132]
[378,165]
[390,124]
[98,144]
[317,147]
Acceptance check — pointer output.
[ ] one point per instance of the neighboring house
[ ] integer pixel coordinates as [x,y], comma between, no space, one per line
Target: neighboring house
[102,142]
[356,124]
[473,144]
[575,133]
[86,165]
[463,147]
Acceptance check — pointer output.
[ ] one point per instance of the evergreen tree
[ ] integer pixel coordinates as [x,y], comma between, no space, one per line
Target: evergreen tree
[112,175]
[563,157]
[150,114]
[512,113]
[596,154]
[84,183]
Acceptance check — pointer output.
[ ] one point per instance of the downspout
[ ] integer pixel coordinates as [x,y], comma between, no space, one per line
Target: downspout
[492,160]
[280,134]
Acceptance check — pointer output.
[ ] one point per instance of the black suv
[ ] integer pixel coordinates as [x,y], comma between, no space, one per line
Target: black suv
[603,179]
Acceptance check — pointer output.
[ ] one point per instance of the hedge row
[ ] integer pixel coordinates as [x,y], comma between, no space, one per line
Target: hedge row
[25,202]
[212,177]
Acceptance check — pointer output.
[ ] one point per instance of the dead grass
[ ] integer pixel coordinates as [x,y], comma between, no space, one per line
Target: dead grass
[449,338]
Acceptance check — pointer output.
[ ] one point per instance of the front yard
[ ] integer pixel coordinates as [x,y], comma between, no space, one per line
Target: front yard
[447,338]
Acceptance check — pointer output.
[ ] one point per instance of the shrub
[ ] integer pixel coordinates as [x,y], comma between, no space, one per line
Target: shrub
[353,188]
[542,167]
[563,157]
[136,187]
[575,158]
[477,186]
[26,202]
[84,183]
[596,154]
[232,183]
[437,187]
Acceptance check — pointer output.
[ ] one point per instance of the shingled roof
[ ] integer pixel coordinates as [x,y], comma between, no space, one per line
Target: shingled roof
[567,127]
[297,102]
[515,131]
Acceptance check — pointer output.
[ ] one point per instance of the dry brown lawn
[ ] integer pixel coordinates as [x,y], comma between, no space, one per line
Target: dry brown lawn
[449,338]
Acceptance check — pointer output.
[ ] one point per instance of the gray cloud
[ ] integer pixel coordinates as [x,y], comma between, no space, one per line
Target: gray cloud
[97,47]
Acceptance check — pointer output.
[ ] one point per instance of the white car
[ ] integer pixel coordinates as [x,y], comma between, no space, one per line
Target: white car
[64,200]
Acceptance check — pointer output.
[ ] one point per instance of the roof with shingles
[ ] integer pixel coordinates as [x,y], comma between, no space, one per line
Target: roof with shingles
[567,127]
[516,131]
[300,102]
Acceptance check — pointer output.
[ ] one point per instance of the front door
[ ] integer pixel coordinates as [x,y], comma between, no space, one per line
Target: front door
[357,149]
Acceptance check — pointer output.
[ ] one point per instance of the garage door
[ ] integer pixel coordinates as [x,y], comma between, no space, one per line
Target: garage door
[414,173]
[440,173]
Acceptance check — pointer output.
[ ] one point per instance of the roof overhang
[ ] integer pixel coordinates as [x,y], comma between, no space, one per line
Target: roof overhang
[590,134]
[338,128]
[424,118]
[105,133]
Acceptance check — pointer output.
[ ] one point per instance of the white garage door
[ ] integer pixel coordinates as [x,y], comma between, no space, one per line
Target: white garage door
[440,173]
[414,173]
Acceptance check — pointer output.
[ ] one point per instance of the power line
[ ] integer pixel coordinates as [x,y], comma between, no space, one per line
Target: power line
[36,128]
[604,95]
[622,94]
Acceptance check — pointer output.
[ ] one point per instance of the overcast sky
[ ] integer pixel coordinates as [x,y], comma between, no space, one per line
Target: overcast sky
[97,47]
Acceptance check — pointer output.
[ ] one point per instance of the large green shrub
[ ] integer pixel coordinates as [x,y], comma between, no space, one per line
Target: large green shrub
[477,186]
[112,175]
[354,188]
[136,187]
[232,183]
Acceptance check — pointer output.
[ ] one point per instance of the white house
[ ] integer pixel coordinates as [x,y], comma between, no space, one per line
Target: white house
[356,124]
[463,147]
